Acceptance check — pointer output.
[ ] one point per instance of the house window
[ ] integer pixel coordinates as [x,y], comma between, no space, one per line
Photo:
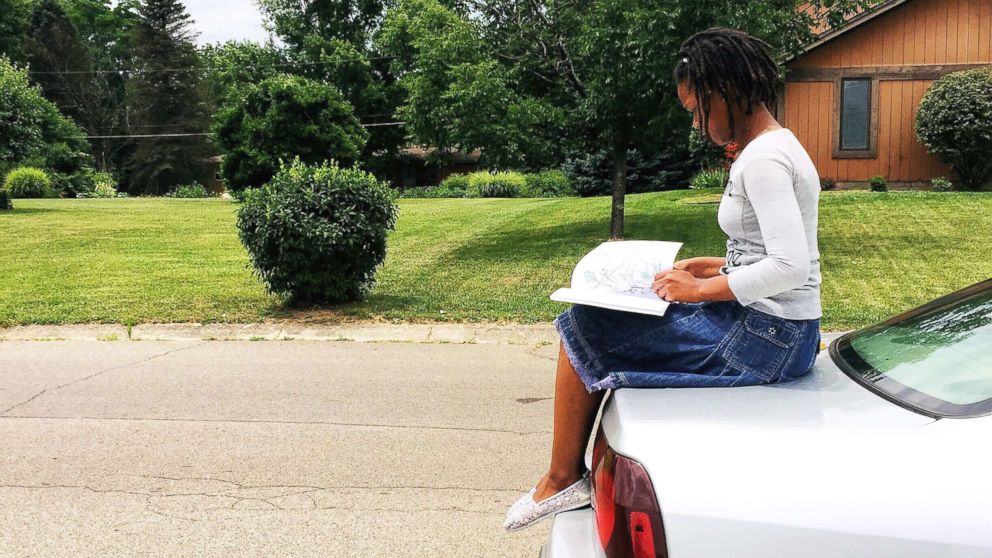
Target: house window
[856,118]
[855,114]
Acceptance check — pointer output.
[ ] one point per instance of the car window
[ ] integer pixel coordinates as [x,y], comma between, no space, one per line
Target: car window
[936,359]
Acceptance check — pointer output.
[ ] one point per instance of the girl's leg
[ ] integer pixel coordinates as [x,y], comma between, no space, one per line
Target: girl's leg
[575,413]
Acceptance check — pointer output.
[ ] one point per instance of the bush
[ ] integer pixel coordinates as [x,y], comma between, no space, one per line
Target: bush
[591,172]
[708,154]
[504,185]
[954,122]
[28,182]
[484,184]
[941,184]
[548,184]
[317,232]
[432,192]
[455,183]
[33,133]
[878,184]
[194,190]
[710,178]
[827,184]
[103,186]
[5,203]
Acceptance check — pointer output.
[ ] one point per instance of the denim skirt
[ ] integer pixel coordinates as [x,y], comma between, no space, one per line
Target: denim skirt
[707,344]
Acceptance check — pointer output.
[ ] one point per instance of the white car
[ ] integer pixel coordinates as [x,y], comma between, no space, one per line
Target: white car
[882,451]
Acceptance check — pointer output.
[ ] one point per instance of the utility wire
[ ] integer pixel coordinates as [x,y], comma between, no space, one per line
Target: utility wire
[208,69]
[137,136]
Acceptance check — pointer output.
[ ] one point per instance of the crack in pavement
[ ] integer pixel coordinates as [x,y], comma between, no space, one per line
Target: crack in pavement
[95,374]
[274,421]
[151,492]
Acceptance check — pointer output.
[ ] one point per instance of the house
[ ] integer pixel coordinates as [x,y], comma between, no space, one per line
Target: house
[851,96]
[212,179]
[412,169]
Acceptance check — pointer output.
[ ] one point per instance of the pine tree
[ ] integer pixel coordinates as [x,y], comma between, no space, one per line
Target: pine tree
[15,17]
[165,96]
[60,64]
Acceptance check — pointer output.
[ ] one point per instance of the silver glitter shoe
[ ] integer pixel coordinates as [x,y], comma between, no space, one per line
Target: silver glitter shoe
[526,512]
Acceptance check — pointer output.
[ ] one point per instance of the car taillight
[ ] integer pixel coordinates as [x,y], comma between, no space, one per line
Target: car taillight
[627,516]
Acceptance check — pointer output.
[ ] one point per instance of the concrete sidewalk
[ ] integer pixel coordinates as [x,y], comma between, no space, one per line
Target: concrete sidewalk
[290,448]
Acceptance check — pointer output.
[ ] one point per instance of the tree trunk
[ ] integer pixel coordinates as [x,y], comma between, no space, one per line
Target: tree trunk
[619,189]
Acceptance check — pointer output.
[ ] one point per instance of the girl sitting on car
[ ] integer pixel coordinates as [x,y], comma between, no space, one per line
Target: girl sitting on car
[748,318]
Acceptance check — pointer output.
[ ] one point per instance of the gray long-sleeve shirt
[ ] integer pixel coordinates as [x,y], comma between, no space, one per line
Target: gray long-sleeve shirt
[769,213]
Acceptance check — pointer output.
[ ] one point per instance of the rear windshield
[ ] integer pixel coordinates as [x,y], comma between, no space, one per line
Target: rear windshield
[936,360]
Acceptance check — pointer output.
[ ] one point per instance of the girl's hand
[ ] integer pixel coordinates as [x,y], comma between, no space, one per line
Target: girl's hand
[692,265]
[701,268]
[677,285]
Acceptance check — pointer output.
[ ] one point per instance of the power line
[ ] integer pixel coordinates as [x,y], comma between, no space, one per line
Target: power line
[140,126]
[192,69]
[199,134]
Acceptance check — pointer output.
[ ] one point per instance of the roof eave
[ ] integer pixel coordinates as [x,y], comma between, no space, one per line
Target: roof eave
[853,23]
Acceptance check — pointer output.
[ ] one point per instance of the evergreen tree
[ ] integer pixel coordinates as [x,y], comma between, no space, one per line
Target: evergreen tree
[59,61]
[165,96]
[15,17]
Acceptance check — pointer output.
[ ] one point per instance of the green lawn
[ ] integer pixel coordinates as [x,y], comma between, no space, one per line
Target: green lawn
[176,260]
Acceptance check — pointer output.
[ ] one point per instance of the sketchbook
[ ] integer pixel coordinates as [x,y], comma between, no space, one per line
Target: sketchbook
[618,275]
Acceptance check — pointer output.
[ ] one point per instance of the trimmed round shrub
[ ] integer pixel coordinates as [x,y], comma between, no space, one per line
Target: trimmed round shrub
[710,178]
[28,182]
[194,190]
[954,122]
[5,203]
[549,183]
[878,184]
[941,184]
[317,233]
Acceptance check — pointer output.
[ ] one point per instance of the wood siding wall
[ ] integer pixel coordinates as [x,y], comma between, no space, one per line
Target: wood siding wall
[921,34]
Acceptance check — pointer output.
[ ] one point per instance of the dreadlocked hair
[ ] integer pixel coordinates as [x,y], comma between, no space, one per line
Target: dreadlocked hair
[735,65]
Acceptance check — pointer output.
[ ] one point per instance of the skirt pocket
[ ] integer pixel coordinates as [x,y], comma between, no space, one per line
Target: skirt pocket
[761,345]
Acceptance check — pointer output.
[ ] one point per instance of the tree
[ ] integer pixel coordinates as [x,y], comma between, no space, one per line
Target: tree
[332,41]
[282,118]
[15,19]
[235,65]
[606,64]
[33,131]
[954,122]
[165,96]
[459,97]
[352,21]
[59,61]
[105,31]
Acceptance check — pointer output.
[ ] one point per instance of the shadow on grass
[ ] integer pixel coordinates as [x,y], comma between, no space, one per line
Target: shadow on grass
[698,232]
[28,210]
[318,312]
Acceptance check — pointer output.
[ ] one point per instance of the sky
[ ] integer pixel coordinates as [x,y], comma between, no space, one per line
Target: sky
[224,20]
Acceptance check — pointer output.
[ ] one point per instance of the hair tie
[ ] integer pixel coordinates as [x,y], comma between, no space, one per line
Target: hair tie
[685,60]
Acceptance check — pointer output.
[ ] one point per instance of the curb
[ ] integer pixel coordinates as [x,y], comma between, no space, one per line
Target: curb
[362,333]
[519,334]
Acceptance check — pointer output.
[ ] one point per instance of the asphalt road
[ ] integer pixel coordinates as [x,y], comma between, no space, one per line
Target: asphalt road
[270,448]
